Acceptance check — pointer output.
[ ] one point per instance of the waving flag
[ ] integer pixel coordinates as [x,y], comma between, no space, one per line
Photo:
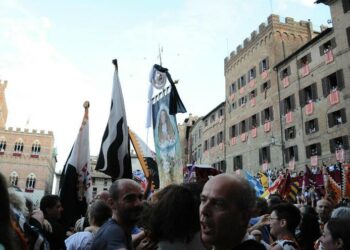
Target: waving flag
[114,158]
[259,189]
[76,183]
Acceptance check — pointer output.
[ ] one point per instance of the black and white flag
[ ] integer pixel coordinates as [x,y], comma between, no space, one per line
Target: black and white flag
[114,158]
[76,183]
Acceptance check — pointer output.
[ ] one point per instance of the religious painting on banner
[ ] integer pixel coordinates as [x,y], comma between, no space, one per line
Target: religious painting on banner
[167,143]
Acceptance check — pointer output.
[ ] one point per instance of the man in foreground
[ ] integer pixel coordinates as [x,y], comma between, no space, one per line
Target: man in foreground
[227,202]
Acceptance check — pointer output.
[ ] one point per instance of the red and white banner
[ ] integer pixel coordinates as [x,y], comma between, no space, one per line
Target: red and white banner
[252,83]
[314,160]
[267,126]
[291,164]
[289,117]
[339,155]
[253,102]
[305,70]
[264,74]
[328,56]
[254,133]
[243,137]
[309,108]
[233,140]
[241,90]
[285,82]
[333,97]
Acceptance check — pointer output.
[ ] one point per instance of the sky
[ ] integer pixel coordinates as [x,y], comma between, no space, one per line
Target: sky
[57,54]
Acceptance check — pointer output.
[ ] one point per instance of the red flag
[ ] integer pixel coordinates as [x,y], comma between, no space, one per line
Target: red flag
[289,117]
[334,97]
[309,109]
[328,56]
[305,70]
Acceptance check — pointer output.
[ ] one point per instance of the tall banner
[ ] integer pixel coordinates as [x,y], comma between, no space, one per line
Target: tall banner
[167,143]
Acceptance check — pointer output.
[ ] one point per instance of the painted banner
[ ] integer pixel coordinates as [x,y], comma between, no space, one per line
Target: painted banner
[167,143]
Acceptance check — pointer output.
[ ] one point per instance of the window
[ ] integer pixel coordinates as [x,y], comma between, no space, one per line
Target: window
[233,105]
[252,74]
[346,5]
[206,145]
[212,141]
[285,72]
[341,142]
[314,149]
[267,115]
[348,35]
[311,126]
[243,127]
[36,148]
[264,155]
[13,179]
[212,118]
[304,61]
[233,131]
[336,118]
[221,166]
[242,101]
[105,181]
[329,45]
[264,65]
[232,88]
[2,144]
[308,94]
[219,137]
[291,153]
[206,123]
[30,183]
[289,133]
[252,94]
[94,191]
[253,121]
[237,162]
[265,86]
[332,82]
[241,81]
[221,112]
[18,146]
[288,104]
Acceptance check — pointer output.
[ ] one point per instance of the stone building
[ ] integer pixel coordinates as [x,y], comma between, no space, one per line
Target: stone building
[253,125]
[27,158]
[314,94]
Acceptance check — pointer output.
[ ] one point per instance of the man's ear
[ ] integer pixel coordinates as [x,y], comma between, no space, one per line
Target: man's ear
[111,203]
[283,223]
[339,243]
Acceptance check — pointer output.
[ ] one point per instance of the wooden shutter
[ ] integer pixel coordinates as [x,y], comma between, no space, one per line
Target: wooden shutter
[271,113]
[343,115]
[348,35]
[260,67]
[302,98]
[345,142]
[267,63]
[332,145]
[268,154]
[321,50]
[318,148]
[340,79]
[282,107]
[286,134]
[307,127]
[330,120]
[260,156]
[309,59]
[333,42]
[296,156]
[314,91]
[325,86]
[346,5]
[316,125]
[257,119]
[262,117]
[286,154]
[308,153]
[292,102]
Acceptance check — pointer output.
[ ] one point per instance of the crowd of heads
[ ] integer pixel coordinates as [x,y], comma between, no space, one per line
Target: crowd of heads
[223,213]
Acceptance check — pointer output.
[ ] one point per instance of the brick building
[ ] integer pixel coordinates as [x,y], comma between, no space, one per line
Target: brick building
[27,158]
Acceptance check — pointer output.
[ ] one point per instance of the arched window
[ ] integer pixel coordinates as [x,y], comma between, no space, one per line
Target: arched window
[19,146]
[30,183]
[13,179]
[2,144]
[36,149]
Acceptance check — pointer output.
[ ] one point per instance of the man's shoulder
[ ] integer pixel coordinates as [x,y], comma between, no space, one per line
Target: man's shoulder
[250,245]
[110,227]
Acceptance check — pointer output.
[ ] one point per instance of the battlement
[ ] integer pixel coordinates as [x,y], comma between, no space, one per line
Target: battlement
[27,131]
[272,21]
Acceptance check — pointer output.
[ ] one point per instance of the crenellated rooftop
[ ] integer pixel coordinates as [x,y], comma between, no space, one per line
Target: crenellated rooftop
[272,21]
[27,131]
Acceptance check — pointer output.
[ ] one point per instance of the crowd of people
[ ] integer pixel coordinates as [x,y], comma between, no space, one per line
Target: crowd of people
[223,213]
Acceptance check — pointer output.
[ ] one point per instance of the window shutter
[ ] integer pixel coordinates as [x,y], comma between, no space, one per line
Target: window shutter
[316,125]
[271,113]
[267,63]
[286,155]
[325,86]
[309,59]
[262,117]
[299,64]
[268,84]
[307,149]
[330,120]
[257,119]
[307,127]
[250,122]
[319,150]
[268,154]
[302,98]
[321,50]
[332,145]
[343,115]
[333,42]
[348,35]
[340,79]
[314,91]
[260,156]
[281,74]
[346,5]
[260,67]
[296,156]
[345,142]
[292,102]
[286,134]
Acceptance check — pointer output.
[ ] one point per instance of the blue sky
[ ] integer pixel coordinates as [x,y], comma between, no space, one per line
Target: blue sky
[57,54]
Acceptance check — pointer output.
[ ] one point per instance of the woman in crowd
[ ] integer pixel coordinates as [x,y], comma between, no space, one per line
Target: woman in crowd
[309,229]
[336,234]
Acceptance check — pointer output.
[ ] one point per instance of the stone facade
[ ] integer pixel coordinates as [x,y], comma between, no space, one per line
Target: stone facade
[27,158]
